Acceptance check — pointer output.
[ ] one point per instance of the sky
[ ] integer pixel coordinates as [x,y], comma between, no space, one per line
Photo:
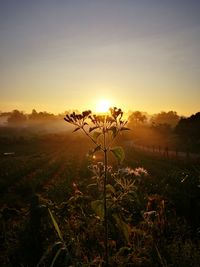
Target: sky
[57,55]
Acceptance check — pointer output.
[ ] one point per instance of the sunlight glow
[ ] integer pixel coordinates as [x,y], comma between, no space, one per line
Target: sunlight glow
[103,106]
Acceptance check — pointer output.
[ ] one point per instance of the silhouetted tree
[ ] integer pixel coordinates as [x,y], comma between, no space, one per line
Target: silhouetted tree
[171,118]
[188,130]
[17,116]
[5,114]
[137,118]
[33,115]
[41,115]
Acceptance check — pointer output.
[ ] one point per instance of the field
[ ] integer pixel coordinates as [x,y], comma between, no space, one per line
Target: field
[156,223]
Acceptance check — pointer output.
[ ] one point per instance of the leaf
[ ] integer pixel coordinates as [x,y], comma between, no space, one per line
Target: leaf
[55,257]
[118,153]
[95,150]
[123,251]
[110,191]
[44,256]
[56,225]
[78,128]
[122,226]
[124,129]
[92,128]
[96,135]
[110,188]
[114,130]
[97,206]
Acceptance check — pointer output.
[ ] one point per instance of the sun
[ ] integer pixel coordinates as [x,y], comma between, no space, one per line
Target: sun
[103,106]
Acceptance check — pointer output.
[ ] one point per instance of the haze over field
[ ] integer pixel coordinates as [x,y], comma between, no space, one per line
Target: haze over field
[139,55]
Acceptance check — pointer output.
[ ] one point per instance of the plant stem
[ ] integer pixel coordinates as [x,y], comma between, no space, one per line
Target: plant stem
[105,202]
[105,210]
[90,137]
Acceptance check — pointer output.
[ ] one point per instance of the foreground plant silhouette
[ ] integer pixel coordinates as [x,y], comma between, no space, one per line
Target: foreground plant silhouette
[101,130]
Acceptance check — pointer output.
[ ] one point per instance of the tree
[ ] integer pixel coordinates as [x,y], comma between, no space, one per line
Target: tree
[171,118]
[17,116]
[41,115]
[33,115]
[188,130]
[137,118]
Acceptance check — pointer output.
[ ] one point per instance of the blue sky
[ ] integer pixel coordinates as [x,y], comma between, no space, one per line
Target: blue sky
[59,55]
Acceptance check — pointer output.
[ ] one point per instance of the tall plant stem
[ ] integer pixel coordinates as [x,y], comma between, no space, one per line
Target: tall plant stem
[105,209]
[105,202]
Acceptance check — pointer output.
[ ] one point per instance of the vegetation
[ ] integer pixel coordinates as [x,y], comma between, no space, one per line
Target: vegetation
[53,194]
[102,130]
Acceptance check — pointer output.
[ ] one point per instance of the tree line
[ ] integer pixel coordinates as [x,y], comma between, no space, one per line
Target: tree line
[164,128]
[167,129]
[16,116]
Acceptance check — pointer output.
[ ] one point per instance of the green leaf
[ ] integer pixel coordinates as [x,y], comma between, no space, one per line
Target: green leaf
[110,191]
[123,227]
[96,135]
[114,130]
[110,188]
[118,153]
[56,225]
[98,208]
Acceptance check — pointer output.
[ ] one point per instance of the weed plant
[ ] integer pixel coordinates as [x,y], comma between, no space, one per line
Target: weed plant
[101,130]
